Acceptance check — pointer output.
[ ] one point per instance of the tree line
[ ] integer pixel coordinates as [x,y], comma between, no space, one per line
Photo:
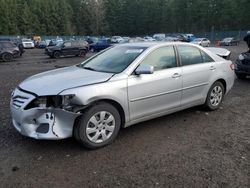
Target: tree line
[121,17]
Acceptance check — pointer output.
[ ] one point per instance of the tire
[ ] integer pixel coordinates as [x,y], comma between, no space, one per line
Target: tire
[215,96]
[56,54]
[241,76]
[7,57]
[101,132]
[82,53]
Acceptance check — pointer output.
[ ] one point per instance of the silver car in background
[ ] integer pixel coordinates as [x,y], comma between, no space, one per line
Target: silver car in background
[121,86]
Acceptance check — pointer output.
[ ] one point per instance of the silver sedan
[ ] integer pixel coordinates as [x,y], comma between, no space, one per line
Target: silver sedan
[121,86]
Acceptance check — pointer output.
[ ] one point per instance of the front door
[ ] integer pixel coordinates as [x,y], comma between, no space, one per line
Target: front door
[67,48]
[159,92]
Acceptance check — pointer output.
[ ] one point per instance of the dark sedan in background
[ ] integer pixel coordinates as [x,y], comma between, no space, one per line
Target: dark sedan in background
[68,48]
[8,51]
[100,45]
[242,65]
[230,41]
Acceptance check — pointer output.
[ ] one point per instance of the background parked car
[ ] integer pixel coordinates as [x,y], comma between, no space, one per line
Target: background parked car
[92,40]
[116,39]
[68,48]
[125,40]
[28,43]
[159,36]
[8,51]
[148,39]
[190,37]
[230,41]
[183,38]
[100,45]
[17,42]
[171,39]
[54,42]
[202,42]
[42,44]
[242,65]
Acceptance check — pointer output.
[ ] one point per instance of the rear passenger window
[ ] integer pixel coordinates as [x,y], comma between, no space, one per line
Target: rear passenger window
[161,58]
[206,58]
[189,55]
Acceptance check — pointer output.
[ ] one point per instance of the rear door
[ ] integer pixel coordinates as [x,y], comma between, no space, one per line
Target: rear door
[197,70]
[158,92]
[66,48]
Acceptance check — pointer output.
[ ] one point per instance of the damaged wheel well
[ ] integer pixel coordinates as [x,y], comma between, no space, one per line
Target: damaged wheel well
[112,102]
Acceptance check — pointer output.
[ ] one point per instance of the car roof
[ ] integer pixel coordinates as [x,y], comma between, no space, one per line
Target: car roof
[155,43]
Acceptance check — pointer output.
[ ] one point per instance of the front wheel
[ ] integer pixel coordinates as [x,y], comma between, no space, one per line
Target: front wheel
[7,57]
[56,54]
[98,126]
[215,96]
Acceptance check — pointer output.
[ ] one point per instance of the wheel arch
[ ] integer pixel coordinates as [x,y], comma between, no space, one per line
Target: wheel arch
[224,83]
[114,103]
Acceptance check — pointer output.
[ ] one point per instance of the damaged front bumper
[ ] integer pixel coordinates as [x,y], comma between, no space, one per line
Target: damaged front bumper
[40,123]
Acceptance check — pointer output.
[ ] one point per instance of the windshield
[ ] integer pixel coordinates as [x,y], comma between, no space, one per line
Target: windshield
[59,44]
[113,60]
[197,40]
[227,39]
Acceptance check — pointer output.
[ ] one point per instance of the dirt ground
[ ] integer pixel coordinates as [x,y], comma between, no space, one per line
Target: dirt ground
[191,148]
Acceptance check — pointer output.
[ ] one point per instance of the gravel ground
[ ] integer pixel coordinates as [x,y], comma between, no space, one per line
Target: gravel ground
[191,148]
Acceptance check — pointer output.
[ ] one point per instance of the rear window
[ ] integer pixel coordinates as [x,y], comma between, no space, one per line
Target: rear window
[190,55]
[206,58]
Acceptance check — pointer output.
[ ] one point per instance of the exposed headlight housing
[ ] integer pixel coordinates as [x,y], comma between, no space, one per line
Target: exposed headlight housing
[57,101]
[67,101]
[40,102]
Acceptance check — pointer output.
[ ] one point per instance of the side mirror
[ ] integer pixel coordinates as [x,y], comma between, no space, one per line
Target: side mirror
[144,69]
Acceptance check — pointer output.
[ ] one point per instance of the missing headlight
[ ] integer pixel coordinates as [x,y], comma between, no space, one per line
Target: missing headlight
[57,101]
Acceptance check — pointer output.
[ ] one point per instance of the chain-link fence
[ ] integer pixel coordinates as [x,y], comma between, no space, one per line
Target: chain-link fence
[222,34]
[213,36]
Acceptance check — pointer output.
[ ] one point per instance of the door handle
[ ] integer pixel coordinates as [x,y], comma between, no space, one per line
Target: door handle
[212,68]
[176,75]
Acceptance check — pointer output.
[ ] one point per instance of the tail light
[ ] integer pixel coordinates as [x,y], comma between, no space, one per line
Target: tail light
[233,66]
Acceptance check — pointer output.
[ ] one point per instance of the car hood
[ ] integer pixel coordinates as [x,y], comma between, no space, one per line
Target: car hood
[55,81]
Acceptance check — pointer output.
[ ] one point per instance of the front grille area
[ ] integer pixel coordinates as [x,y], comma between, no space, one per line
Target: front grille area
[20,99]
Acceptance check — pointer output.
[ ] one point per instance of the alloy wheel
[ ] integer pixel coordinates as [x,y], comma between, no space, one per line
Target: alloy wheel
[100,127]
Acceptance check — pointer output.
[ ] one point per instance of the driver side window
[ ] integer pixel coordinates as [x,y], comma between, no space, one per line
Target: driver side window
[161,58]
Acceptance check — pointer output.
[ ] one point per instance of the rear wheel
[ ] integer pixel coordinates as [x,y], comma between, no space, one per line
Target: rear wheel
[98,126]
[215,96]
[7,57]
[56,54]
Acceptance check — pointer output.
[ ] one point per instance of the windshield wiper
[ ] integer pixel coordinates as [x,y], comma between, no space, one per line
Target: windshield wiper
[89,68]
